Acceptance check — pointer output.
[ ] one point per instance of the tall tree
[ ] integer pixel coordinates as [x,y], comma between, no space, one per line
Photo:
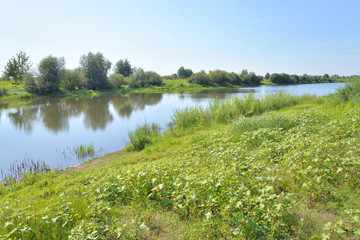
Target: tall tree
[123,67]
[51,71]
[184,73]
[95,67]
[17,66]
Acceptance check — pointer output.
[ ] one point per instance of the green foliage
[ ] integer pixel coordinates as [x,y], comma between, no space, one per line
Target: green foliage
[184,73]
[228,110]
[349,93]
[221,77]
[16,67]
[74,79]
[282,78]
[116,80]
[153,78]
[143,135]
[199,78]
[123,67]
[95,67]
[140,78]
[250,79]
[51,72]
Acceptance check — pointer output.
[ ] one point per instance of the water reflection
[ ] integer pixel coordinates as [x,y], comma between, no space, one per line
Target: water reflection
[97,114]
[23,118]
[54,113]
[125,105]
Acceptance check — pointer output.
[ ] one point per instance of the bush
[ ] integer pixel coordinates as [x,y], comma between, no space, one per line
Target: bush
[220,77]
[143,135]
[116,80]
[143,79]
[74,79]
[153,78]
[199,78]
[138,79]
[31,81]
[350,92]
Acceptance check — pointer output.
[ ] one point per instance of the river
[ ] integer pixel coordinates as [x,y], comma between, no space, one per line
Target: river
[49,129]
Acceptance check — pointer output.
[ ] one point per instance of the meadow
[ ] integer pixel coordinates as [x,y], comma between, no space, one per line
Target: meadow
[279,167]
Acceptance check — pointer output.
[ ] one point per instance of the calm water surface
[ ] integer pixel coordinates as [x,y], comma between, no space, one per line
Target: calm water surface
[50,129]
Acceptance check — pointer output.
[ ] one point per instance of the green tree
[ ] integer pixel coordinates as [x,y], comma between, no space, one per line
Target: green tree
[153,78]
[138,78]
[184,73]
[200,78]
[51,72]
[95,67]
[116,80]
[221,77]
[74,79]
[123,67]
[16,67]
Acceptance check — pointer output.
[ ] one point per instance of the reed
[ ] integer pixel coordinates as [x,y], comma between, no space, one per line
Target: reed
[85,150]
[231,109]
[17,170]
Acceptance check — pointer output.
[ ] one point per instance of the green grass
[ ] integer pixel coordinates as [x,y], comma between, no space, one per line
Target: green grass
[285,172]
[10,91]
[230,109]
[143,135]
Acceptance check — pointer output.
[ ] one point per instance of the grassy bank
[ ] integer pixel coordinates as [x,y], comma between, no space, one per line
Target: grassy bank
[282,167]
[10,91]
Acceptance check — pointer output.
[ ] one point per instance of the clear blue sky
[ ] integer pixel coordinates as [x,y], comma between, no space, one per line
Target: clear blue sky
[292,36]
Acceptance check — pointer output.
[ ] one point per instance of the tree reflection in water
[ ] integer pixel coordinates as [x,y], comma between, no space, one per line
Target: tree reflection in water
[54,113]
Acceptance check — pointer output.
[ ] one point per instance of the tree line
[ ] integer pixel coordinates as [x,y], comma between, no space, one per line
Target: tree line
[94,73]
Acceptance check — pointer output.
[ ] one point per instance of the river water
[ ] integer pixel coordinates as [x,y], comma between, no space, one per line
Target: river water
[49,129]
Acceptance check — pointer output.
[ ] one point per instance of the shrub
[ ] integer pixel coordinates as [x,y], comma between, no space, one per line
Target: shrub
[143,79]
[350,92]
[199,78]
[153,78]
[116,80]
[74,79]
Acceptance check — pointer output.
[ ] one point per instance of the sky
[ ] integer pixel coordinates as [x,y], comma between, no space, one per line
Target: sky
[263,36]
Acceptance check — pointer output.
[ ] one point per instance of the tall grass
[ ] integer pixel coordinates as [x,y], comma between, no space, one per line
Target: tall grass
[143,135]
[230,109]
[349,93]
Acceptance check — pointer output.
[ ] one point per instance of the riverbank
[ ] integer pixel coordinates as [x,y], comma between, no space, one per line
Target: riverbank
[10,92]
[281,167]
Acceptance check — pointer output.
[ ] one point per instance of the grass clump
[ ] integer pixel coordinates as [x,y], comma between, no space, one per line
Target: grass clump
[143,135]
[85,150]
